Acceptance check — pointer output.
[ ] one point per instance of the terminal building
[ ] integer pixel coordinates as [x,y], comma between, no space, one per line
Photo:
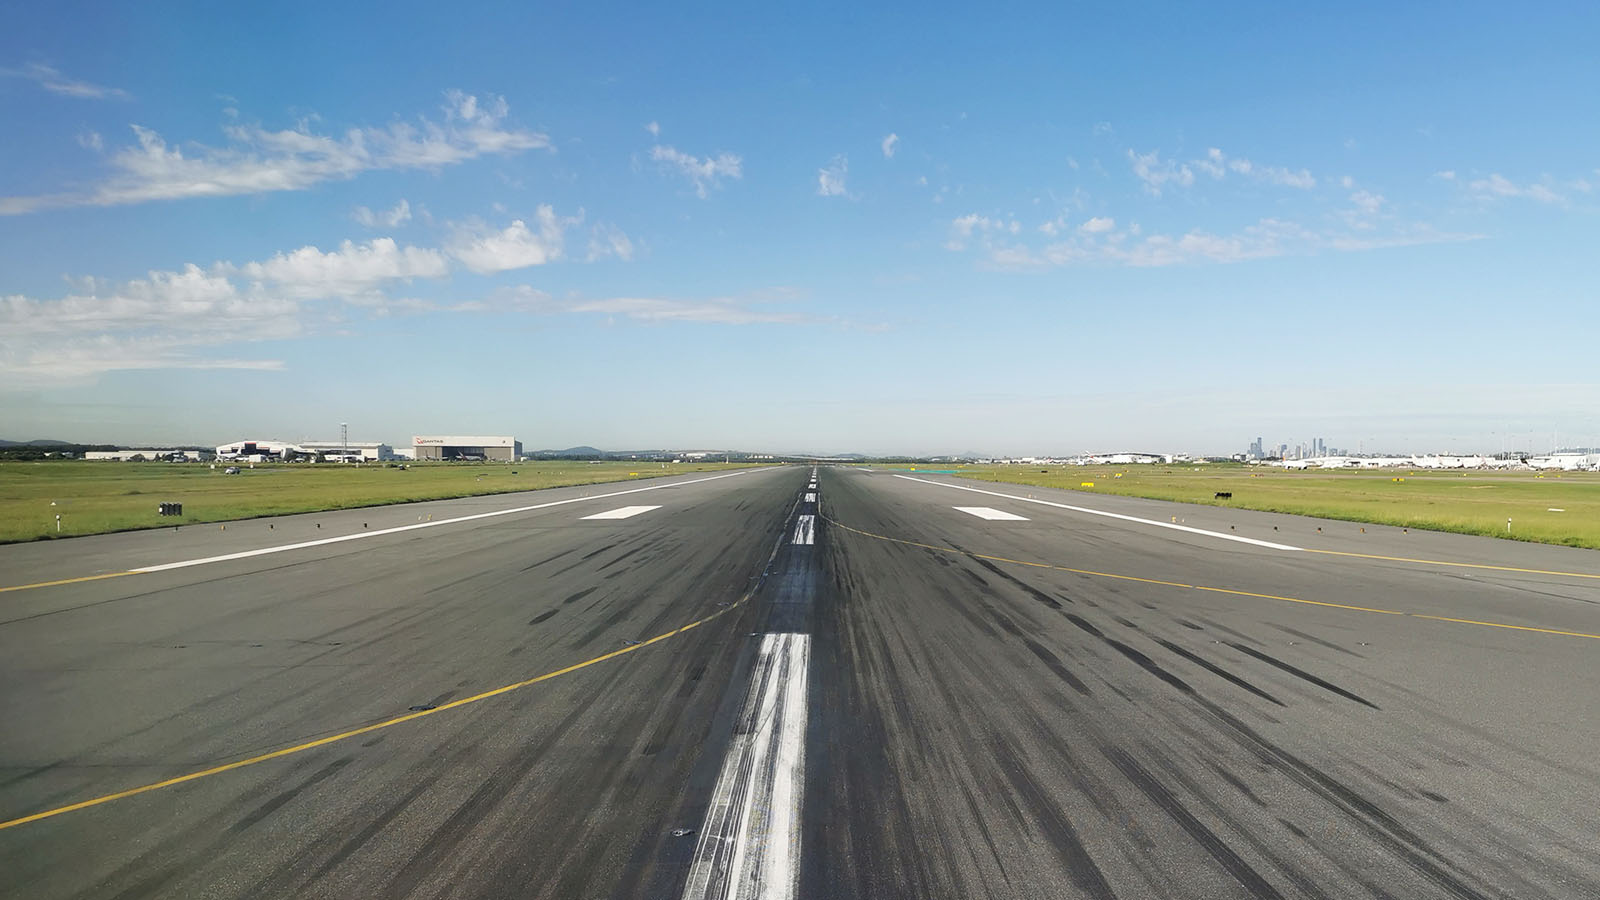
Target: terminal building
[499,448]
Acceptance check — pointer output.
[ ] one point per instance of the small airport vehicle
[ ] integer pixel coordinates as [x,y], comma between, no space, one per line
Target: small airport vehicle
[231,470]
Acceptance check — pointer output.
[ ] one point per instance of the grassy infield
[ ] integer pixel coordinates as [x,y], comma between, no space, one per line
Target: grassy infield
[94,497]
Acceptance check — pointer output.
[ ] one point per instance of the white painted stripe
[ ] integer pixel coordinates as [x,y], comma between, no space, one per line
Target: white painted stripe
[284,548]
[622,512]
[805,529]
[1110,515]
[989,512]
[750,845]
[811,498]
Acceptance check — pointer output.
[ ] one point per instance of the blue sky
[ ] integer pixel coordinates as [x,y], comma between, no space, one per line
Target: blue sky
[1004,229]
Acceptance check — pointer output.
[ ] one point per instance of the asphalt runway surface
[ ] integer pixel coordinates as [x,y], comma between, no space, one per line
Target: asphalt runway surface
[886,685]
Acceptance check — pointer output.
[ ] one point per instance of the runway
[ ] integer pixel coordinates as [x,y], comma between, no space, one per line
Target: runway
[798,682]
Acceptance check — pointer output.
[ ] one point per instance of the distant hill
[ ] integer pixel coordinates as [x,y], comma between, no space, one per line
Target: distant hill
[36,444]
[572,452]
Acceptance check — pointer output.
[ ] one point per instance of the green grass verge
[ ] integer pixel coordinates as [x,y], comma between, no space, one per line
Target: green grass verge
[98,497]
[1440,500]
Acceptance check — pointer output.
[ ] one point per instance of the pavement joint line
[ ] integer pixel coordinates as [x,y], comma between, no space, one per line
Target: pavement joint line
[367,729]
[360,535]
[1201,587]
[1268,544]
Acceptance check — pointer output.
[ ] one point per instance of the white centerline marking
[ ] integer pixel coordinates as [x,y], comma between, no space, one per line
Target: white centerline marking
[750,844]
[805,529]
[283,548]
[1110,515]
[811,498]
[623,512]
[989,512]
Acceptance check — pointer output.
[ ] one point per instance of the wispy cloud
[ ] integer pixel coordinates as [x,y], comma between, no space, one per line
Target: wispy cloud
[1497,185]
[964,228]
[608,241]
[716,311]
[890,143]
[393,218]
[257,160]
[1157,174]
[831,178]
[1099,241]
[704,173]
[53,81]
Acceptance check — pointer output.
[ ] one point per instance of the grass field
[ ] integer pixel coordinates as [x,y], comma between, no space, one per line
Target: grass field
[1441,500]
[97,497]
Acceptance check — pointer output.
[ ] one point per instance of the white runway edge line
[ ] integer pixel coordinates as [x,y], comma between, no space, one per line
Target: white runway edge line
[284,548]
[990,513]
[805,529]
[749,846]
[1110,515]
[624,512]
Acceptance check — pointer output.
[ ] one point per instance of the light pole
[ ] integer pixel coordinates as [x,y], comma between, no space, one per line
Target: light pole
[344,442]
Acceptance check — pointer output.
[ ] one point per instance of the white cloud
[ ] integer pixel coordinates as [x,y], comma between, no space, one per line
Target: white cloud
[180,319]
[53,81]
[91,140]
[1445,175]
[889,144]
[257,160]
[831,178]
[1098,225]
[393,218]
[352,271]
[516,246]
[155,322]
[705,173]
[654,128]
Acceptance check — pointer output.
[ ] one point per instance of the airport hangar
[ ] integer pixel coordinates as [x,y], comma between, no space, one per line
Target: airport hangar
[499,448]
